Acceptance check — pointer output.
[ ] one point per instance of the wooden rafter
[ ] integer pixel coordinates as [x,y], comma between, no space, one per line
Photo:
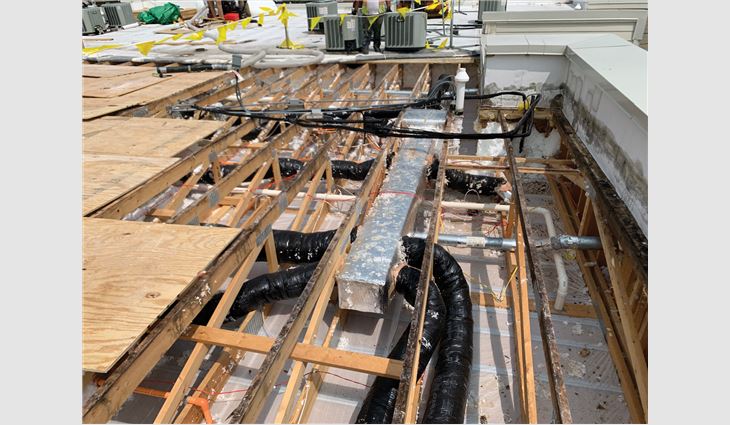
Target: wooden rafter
[408,395]
[252,403]
[587,262]
[145,354]
[304,352]
[200,157]
[561,408]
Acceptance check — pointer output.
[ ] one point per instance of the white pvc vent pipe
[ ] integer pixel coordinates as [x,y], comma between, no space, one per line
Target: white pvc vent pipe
[559,264]
[460,81]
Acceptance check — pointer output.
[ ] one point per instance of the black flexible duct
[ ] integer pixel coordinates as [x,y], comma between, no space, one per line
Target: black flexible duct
[340,170]
[465,182]
[455,179]
[379,404]
[448,303]
[300,247]
[271,287]
[291,247]
[261,290]
[447,397]
[288,167]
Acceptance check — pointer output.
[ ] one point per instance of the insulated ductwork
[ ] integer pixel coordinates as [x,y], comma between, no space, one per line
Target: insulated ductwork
[364,283]
[291,247]
[465,182]
[448,393]
[340,169]
[448,320]
[379,404]
[300,247]
[356,171]
[261,290]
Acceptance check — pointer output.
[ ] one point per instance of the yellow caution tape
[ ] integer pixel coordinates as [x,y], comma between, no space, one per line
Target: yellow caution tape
[285,15]
[232,26]
[91,50]
[177,36]
[196,36]
[523,105]
[245,22]
[145,47]
[432,6]
[268,10]
[402,11]
[418,2]
[288,44]
[261,19]
[221,34]
[314,22]
[342,18]
[443,43]
[372,20]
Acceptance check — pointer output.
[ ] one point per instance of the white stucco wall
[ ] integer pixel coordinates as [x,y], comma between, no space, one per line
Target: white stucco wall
[603,81]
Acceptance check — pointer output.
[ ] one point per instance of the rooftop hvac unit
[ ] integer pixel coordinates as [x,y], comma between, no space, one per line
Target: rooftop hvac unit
[405,32]
[344,34]
[92,20]
[321,8]
[119,14]
[491,6]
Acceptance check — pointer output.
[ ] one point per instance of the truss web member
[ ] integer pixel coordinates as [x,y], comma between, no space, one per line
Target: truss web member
[372,8]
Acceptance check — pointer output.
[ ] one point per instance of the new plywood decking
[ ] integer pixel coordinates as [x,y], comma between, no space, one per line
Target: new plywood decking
[106,177]
[132,271]
[152,137]
[187,84]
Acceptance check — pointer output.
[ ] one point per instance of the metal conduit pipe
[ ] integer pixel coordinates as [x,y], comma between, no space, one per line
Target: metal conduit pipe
[486,242]
[559,264]
[501,244]
[575,242]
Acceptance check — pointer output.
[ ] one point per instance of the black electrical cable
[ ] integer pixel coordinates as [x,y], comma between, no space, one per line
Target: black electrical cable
[522,129]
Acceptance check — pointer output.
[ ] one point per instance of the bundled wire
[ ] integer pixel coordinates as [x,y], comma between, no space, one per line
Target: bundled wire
[333,118]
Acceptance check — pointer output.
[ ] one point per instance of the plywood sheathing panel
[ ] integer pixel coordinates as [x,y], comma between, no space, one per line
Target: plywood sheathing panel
[94,107]
[118,85]
[152,137]
[106,177]
[98,71]
[132,271]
